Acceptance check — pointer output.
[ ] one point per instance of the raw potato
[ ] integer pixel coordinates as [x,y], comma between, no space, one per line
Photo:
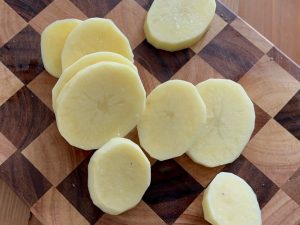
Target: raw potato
[172,119]
[229,200]
[52,42]
[94,35]
[230,123]
[173,25]
[102,101]
[83,62]
[118,175]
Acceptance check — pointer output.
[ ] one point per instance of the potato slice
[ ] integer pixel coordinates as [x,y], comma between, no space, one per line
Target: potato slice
[230,123]
[173,25]
[229,200]
[102,101]
[94,35]
[119,173]
[83,62]
[52,42]
[172,118]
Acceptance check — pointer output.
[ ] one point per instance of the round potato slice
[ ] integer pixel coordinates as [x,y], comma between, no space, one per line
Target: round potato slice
[230,123]
[173,25]
[172,119]
[52,42]
[94,35]
[229,200]
[102,101]
[83,62]
[119,173]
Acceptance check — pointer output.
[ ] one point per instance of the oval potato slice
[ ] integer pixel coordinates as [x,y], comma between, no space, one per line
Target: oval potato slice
[102,101]
[94,35]
[229,200]
[230,123]
[173,25]
[52,42]
[172,119]
[83,62]
[118,175]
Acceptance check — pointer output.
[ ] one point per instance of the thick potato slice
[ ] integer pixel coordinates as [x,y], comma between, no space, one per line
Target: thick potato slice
[229,200]
[118,175]
[230,123]
[102,101]
[52,42]
[83,62]
[173,25]
[94,35]
[172,119]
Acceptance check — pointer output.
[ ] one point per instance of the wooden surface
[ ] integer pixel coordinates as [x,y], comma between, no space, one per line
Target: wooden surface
[50,177]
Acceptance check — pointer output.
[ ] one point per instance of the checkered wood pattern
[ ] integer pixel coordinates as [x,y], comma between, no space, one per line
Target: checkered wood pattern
[51,176]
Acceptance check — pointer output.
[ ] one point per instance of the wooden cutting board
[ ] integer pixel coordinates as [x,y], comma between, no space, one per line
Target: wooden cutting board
[51,176]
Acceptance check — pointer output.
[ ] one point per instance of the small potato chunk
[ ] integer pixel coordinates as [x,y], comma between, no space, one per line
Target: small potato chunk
[52,42]
[94,35]
[229,200]
[102,101]
[83,62]
[172,119]
[173,25]
[119,173]
[230,123]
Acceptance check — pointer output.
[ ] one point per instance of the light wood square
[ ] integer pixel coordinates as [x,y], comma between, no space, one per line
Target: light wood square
[129,16]
[10,22]
[281,210]
[269,85]
[252,35]
[215,27]
[9,83]
[54,209]
[53,156]
[6,148]
[196,70]
[275,152]
[57,10]
[142,214]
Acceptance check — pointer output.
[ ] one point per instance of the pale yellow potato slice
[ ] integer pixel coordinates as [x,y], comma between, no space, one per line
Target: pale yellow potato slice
[119,173]
[52,42]
[102,101]
[94,35]
[172,119]
[173,25]
[230,123]
[83,62]
[229,200]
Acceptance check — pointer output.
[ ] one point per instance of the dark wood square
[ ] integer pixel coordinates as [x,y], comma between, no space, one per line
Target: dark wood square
[261,118]
[24,178]
[264,188]
[22,55]
[146,4]
[231,54]
[28,8]
[224,13]
[24,117]
[95,8]
[162,64]
[171,190]
[74,188]
[289,116]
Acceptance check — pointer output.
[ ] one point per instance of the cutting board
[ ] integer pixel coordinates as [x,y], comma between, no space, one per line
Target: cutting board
[51,176]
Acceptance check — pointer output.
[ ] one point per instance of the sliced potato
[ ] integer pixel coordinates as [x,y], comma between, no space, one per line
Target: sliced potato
[52,42]
[102,101]
[230,123]
[172,119]
[94,35]
[118,175]
[229,200]
[83,62]
[172,25]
